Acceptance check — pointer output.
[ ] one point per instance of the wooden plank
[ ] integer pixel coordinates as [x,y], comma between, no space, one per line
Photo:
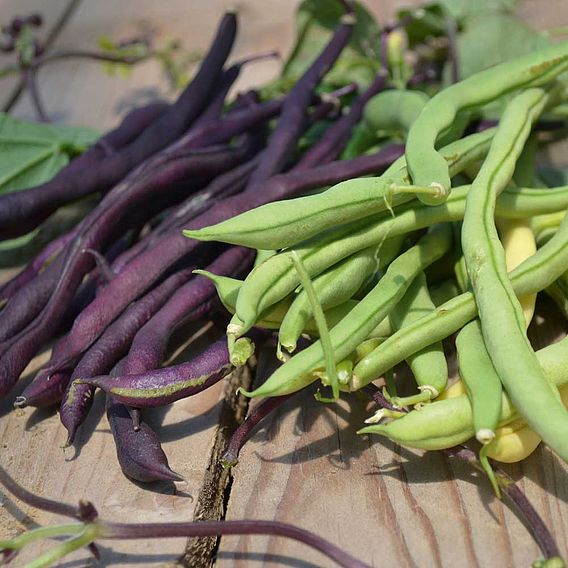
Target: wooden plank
[55,13]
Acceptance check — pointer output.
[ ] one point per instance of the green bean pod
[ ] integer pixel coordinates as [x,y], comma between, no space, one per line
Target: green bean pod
[228,289]
[426,165]
[356,326]
[533,275]
[446,423]
[428,365]
[481,381]
[501,315]
[275,279]
[335,286]
[394,110]
[262,255]
[285,223]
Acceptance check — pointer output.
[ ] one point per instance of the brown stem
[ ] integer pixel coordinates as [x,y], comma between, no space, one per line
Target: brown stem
[31,84]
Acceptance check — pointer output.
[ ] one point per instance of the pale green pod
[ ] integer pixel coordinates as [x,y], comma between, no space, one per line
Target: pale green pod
[501,315]
[334,287]
[481,381]
[394,110]
[533,275]
[446,423]
[428,365]
[356,326]
[427,165]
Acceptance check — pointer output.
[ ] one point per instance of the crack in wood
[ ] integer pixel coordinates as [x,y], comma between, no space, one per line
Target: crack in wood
[215,490]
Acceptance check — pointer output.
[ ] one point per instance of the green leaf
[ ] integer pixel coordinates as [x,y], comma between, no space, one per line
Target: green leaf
[315,22]
[461,9]
[490,39]
[32,153]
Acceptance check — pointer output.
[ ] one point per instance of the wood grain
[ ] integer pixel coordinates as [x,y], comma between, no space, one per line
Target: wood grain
[383,503]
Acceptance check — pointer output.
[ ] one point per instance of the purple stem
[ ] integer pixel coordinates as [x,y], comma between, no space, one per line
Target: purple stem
[124,531]
[293,116]
[527,512]
[243,433]
[337,135]
[248,527]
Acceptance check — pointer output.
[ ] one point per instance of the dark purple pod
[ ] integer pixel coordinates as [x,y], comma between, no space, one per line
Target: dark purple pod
[294,112]
[139,452]
[336,136]
[22,211]
[109,348]
[35,266]
[166,385]
[103,223]
[193,300]
[47,391]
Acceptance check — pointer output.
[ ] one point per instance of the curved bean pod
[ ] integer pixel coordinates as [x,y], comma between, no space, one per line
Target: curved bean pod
[394,110]
[426,165]
[504,329]
[459,154]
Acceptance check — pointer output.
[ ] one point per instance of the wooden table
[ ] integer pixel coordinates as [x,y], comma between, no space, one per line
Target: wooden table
[383,503]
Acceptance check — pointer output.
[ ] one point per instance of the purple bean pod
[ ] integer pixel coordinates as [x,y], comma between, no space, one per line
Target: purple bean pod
[168,384]
[109,348]
[35,266]
[336,136]
[294,112]
[22,347]
[18,208]
[191,301]
[224,185]
[139,453]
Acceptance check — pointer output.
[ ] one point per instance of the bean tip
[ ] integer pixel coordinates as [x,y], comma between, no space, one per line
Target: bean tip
[20,402]
[485,435]
[228,461]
